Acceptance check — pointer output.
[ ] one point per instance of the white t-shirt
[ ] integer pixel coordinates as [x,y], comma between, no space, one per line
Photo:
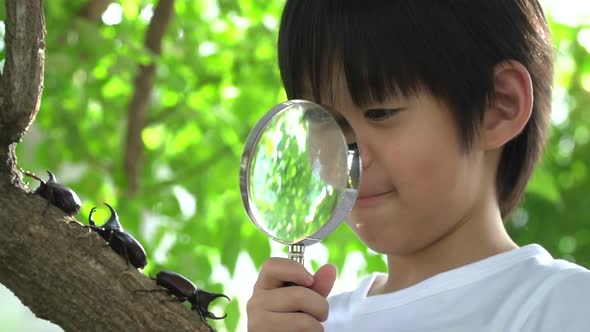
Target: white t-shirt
[522,290]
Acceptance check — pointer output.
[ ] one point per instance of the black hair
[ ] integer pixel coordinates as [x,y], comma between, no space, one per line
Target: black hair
[447,47]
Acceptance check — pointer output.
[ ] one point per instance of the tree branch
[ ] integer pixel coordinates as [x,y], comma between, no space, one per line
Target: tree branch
[66,274]
[22,80]
[144,82]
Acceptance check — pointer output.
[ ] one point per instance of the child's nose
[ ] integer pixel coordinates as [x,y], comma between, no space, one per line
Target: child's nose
[366,159]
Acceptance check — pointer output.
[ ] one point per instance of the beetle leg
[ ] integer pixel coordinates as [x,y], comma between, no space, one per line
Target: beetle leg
[177,299]
[126,257]
[46,208]
[202,313]
[173,299]
[32,175]
[135,291]
[111,234]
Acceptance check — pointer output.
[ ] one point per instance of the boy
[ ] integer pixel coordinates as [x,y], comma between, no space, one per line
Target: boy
[450,102]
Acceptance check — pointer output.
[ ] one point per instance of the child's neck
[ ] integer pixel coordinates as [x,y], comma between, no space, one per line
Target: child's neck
[472,240]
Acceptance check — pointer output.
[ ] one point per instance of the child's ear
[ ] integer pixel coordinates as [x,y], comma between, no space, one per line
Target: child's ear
[512,106]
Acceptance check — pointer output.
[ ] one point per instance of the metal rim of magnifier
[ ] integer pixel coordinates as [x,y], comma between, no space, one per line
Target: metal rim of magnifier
[341,210]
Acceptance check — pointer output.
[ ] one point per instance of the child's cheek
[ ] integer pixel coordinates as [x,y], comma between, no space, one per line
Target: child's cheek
[425,169]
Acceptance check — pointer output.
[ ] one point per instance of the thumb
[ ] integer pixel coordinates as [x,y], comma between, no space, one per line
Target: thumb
[324,280]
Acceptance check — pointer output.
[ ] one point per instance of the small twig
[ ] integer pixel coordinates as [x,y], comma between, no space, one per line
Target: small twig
[93,9]
[187,172]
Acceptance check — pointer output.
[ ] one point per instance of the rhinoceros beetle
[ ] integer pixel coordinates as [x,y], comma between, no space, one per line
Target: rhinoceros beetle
[120,241]
[184,290]
[57,194]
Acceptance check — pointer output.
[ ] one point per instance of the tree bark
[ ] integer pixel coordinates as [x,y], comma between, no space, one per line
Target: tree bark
[57,267]
[22,81]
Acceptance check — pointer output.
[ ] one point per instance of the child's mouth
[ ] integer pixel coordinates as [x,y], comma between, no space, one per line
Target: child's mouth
[372,200]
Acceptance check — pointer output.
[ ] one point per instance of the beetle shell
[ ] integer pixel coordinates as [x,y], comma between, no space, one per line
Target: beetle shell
[185,290]
[176,284]
[127,246]
[120,241]
[57,194]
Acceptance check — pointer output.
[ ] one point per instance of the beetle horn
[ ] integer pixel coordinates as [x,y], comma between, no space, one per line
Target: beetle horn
[211,315]
[113,222]
[90,220]
[51,177]
[205,298]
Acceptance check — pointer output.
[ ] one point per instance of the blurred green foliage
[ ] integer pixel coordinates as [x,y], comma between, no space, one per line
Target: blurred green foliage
[216,76]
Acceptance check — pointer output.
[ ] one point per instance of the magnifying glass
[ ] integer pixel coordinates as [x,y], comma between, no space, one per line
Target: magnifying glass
[299,174]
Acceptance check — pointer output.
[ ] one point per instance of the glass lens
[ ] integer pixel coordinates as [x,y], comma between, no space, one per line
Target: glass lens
[300,168]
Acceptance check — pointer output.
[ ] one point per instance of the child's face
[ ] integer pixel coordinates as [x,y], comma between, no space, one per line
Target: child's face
[417,183]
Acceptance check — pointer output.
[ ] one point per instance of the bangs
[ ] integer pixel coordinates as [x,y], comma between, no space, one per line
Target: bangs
[384,48]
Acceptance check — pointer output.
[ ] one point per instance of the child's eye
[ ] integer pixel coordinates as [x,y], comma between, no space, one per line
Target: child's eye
[380,114]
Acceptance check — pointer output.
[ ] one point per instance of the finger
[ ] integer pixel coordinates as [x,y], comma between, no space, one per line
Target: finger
[292,299]
[277,271]
[324,279]
[284,322]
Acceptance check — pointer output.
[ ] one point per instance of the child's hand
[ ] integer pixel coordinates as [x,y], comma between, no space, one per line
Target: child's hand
[276,307]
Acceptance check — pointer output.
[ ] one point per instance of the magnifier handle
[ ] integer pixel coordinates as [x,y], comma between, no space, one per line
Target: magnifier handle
[296,252]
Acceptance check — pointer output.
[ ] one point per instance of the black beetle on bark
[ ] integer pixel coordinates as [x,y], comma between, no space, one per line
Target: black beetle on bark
[57,194]
[120,241]
[185,290]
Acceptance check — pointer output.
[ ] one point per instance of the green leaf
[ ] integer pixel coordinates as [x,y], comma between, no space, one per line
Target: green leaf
[544,185]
